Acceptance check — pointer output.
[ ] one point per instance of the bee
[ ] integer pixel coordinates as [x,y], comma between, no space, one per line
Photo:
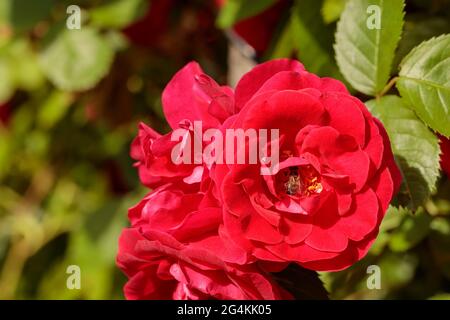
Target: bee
[293,184]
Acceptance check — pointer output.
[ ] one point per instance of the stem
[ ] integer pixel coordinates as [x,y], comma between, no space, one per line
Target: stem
[22,248]
[12,268]
[387,87]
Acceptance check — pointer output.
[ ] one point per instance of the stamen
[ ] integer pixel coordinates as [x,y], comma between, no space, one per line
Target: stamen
[298,183]
[314,187]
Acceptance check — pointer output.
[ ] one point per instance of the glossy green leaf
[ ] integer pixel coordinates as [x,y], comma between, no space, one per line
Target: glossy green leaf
[364,49]
[77,60]
[424,82]
[415,147]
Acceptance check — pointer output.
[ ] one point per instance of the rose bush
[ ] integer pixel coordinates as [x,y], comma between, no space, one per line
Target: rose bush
[215,231]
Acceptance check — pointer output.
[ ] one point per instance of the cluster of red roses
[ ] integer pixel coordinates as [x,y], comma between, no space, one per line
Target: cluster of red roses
[219,231]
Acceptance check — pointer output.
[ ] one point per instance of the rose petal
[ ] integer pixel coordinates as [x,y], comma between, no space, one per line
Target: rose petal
[184,99]
[253,80]
[363,219]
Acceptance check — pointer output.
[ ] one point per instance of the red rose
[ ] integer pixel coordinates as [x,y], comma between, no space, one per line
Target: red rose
[215,230]
[445,156]
[190,96]
[160,267]
[336,176]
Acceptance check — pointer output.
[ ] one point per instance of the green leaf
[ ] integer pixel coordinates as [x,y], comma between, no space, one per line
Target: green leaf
[77,60]
[22,15]
[19,68]
[234,11]
[415,147]
[332,9]
[118,13]
[313,39]
[284,46]
[413,230]
[27,72]
[365,55]
[424,82]
[53,108]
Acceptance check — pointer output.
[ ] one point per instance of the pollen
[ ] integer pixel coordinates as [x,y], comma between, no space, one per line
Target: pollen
[313,186]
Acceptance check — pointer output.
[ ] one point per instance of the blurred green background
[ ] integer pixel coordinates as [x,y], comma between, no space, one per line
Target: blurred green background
[70,102]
